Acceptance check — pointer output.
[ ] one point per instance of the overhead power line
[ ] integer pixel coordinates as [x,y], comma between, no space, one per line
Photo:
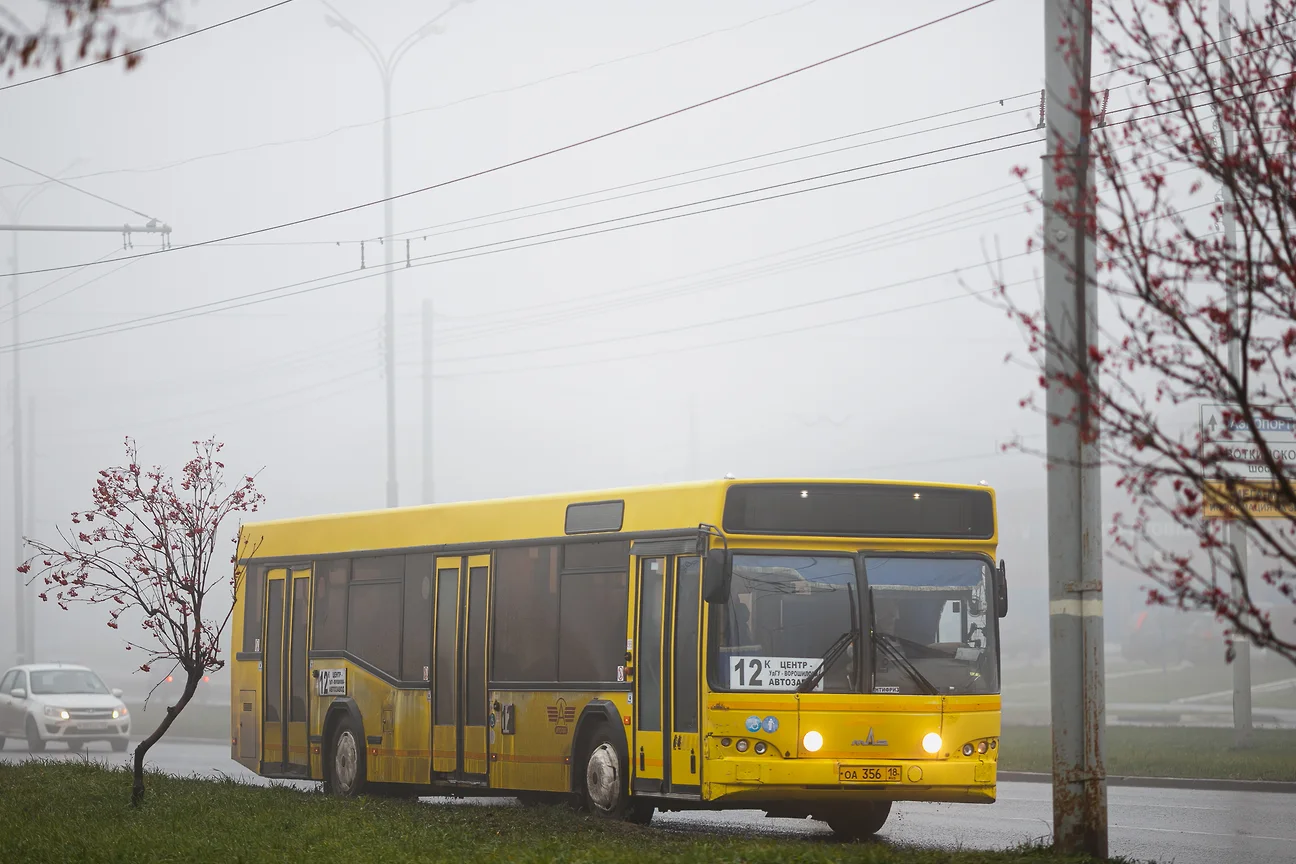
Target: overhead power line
[136,51]
[306,286]
[560,149]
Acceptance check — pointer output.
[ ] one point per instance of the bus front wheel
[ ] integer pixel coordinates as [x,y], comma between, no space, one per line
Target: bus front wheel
[346,774]
[605,790]
[857,821]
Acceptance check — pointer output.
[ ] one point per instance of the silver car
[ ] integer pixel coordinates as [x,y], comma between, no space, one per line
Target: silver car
[45,702]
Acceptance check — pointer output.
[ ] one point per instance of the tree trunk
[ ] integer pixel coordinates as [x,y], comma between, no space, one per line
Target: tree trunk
[172,712]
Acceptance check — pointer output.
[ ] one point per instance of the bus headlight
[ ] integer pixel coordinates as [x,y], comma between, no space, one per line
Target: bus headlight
[812,741]
[931,742]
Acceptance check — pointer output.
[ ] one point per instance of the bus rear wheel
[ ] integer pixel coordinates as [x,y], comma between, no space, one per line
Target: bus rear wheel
[858,821]
[605,786]
[346,770]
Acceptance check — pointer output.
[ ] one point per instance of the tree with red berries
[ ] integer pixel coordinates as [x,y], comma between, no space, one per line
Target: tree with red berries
[80,31]
[145,550]
[1203,136]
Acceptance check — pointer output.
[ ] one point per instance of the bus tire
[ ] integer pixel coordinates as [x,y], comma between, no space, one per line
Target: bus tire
[346,768]
[605,782]
[858,821]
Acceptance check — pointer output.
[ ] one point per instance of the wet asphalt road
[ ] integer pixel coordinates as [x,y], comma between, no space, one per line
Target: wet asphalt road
[1165,825]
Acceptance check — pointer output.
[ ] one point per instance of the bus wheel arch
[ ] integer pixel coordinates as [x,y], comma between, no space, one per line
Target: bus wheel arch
[598,711]
[344,725]
[603,759]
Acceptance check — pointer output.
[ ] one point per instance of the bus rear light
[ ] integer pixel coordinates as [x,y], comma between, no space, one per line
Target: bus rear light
[725,742]
[982,747]
[812,741]
[759,748]
[931,743]
[741,746]
[967,749]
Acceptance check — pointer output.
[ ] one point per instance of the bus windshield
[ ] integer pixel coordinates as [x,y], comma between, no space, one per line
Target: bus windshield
[784,614]
[931,625]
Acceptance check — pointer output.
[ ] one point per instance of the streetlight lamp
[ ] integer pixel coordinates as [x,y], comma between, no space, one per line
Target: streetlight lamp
[386,70]
[24,618]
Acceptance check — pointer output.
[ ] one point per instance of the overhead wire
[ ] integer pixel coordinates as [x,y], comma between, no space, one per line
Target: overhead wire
[564,147]
[307,286]
[440,107]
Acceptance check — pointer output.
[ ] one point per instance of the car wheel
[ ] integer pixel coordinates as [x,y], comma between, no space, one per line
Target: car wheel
[605,787]
[119,745]
[857,821]
[346,775]
[35,743]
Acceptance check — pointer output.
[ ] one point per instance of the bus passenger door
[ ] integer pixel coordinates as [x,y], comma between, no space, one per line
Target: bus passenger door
[473,764]
[284,747]
[685,755]
[650,754]
[445,660]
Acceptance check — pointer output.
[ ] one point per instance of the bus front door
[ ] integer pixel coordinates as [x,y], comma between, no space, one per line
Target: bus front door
[286,676]
[666,749]
[459,752]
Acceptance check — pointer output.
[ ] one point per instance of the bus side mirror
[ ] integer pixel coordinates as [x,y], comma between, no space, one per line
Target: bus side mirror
[715,578]
[1001,591]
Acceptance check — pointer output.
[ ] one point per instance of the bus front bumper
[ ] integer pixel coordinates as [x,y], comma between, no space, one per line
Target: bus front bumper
[970,781]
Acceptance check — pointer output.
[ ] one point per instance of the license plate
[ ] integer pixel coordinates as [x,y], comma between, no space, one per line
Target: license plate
[868,774]
[91,725]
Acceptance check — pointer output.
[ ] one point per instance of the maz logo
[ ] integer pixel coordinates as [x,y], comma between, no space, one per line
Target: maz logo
[870,741]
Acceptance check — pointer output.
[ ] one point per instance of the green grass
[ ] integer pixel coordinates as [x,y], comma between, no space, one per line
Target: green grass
[1167,751]
[188,820]
[195,721]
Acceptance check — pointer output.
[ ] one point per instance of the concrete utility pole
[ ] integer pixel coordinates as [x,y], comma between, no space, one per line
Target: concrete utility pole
[23,606]
[1074,502]
[1237,534]
[386,70]
[429,474]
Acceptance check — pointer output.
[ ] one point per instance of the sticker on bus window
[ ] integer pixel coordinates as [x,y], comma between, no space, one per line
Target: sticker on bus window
[771,673]
[331,682]
[620,673]
[425,673]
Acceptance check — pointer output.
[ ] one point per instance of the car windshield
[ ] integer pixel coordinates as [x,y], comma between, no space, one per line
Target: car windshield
[51,682]
[784,613]
[931,617]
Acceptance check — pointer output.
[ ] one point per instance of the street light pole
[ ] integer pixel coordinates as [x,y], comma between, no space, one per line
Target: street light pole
[21,624]
[386,70]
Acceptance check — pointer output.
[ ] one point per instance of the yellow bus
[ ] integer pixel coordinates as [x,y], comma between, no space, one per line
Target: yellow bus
[812,648]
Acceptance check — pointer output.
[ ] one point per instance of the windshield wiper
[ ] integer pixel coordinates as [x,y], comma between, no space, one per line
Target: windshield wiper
[903,662]
[843,641]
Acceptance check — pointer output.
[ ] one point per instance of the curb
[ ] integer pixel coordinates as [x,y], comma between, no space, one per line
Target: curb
[1279,786]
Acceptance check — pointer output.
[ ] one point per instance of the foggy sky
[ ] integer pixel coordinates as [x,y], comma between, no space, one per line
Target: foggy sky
[294,386]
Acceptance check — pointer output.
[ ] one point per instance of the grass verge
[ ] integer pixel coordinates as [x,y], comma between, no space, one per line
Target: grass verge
[198,820]
[1165,751]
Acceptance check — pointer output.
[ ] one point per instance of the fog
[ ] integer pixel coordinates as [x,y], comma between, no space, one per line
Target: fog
[686,348]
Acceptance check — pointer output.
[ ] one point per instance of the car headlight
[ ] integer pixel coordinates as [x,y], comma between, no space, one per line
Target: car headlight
[118,713]
[59,713]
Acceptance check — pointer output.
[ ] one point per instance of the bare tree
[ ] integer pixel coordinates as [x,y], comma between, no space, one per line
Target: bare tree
[1166,176]
[146,548]
[79,31]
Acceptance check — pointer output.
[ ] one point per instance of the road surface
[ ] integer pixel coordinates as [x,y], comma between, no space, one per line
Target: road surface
[1165,825]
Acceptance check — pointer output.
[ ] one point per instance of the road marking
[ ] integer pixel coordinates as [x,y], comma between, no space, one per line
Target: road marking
[1231,835]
